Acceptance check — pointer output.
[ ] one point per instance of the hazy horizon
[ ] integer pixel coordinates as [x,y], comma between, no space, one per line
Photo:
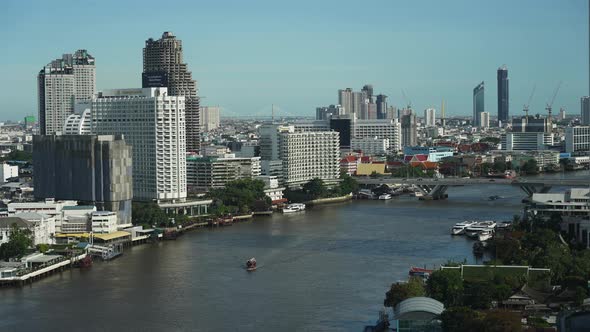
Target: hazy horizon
[247,56]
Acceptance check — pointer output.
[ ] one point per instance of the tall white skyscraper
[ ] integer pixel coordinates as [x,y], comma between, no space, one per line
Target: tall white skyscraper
[430,117]
[484,119]
[153,123]
[61,83]
[345,100]
[209,117]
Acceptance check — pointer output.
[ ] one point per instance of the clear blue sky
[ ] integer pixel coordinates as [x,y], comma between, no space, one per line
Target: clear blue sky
[247,55]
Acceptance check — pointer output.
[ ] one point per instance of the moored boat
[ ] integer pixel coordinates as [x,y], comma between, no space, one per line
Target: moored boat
[459,227]
[295,207]
[420,272]
[251,264]
[385,197]
[485,235]
[473,230]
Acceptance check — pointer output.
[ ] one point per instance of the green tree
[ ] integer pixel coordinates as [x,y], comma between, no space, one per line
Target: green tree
[499,166]
[530,167]
[478,295]
[501,321]
[240,193]
[445,286]
[148,213]
[348,184]
[404,290]
[19,156]
[492,140]
[19,241]
[460,319]
[315,188]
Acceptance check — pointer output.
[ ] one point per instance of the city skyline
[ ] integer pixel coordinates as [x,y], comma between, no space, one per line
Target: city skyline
[246,66]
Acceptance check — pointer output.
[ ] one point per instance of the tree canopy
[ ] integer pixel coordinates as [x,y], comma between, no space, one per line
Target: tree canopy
[19,241]
[400,291]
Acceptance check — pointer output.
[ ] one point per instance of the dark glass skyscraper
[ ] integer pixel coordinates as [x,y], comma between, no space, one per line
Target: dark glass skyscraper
[478,104]
[163,67]
[381,106]
[503,94]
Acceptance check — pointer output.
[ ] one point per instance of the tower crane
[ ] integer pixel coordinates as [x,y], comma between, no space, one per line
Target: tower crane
[550,104]
[525,108]
[409,102]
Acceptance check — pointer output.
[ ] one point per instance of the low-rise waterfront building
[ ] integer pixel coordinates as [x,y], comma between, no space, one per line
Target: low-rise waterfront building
[272,188]
[206,173]
[104,222]
[41,226]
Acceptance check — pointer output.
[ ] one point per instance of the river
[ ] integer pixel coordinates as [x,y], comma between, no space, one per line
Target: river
[323,270]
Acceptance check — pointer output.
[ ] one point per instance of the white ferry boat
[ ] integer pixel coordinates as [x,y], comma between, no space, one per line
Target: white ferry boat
[473,230]
[385,197]
[485,235]
[295,207]
[459,227]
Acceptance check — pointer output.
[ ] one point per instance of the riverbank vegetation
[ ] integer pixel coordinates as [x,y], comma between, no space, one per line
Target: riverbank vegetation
[475,300]
[317,189]
[19,242]
[239,197]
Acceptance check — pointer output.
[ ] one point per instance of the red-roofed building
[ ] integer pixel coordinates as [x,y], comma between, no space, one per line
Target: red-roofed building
[349,165]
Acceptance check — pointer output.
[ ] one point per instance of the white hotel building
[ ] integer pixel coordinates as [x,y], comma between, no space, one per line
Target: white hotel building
[154,124]
[309,155]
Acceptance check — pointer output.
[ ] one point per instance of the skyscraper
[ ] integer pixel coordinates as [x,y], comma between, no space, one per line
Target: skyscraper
[381,106]
[163,67]
[153,123]
[345,100]
[409,132]
[478,104]
[96,169]
[430,117]
[368,91]
[503,101]
[61,83]
[585,110]
[484,120]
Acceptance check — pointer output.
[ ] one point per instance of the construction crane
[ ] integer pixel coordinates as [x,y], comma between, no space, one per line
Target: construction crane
[409,102]
[525,108]
[550,104]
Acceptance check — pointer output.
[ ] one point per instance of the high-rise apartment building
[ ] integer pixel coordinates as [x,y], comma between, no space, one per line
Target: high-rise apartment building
[478,104]
[153,122]
[209,117]
[503,96]
[345,100]
[484,120]
[381,106]
[430,117]
[61,83]
[163,66]
[380,129]
[326,113]
[526,141]
[577,140]
[309,155]
[368,111]
[89,168]
[585,110]
[409,129]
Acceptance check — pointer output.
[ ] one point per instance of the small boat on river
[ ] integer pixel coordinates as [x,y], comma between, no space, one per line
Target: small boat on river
[251,264]
[295,207]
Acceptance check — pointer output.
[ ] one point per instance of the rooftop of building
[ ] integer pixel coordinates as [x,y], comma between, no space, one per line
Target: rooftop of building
[79,207]
[19,222]
[31,216]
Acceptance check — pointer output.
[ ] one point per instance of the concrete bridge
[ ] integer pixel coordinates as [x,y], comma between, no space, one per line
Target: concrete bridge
[436,188]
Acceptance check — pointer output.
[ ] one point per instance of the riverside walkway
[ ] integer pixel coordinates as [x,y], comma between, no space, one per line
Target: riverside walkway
[436,188]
